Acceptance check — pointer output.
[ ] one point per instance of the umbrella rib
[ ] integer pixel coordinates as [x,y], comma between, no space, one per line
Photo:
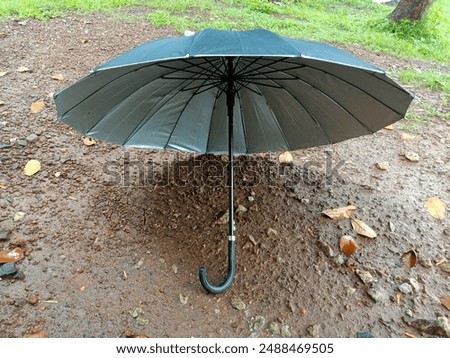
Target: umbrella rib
[148,118]
[244,128]
[310,114]
[210,122]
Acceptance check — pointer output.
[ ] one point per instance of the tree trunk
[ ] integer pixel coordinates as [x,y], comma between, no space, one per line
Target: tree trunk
[412,10]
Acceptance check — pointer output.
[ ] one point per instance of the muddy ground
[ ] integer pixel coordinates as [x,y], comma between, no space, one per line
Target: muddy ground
[111,251]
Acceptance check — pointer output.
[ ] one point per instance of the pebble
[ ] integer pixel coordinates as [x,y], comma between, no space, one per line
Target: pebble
[271,231]
[436,327]
[339,260]
[405,288]
[33,300]
[365,276]
[241,209]
[364,335]
[327,250]
[425,262]
[382,165]
[223,219]
[378,295]
[8,269]
[135,312]
[238,304]
[184,299]
[4,234]
[314,330]
[32,138]
[412,156]
[19,216]
[445,267]
[4,146]
[415,284]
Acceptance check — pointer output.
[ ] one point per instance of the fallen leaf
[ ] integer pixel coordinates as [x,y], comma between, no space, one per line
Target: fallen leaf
[58,77]
[390,127]
[54,302]
[340,213]
[40,334]
[285,158]
[37,107]
[407,137]
[32,167]
[363,229]
[88,141]
[410,335]
[412,157]
[409,258]
[436,207]
[3,74]
[348,245]
[11,256]
[446,302]
[22,69]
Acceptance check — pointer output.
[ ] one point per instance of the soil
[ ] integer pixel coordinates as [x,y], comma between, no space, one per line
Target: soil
[104,241]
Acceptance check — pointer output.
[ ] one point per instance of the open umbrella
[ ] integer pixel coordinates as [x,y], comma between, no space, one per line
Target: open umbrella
[232,92]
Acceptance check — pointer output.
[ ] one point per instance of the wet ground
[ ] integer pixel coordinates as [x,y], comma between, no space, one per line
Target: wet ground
[113,238]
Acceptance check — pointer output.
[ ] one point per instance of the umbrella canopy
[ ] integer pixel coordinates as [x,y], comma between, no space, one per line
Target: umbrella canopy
[289,94]
[232,92]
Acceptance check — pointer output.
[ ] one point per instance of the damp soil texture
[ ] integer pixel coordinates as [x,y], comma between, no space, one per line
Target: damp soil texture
[113,238]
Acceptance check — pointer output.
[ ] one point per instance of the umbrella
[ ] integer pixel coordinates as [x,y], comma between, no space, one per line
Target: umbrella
[232,92]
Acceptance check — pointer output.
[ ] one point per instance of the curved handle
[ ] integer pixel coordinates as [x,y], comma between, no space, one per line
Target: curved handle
[231,271]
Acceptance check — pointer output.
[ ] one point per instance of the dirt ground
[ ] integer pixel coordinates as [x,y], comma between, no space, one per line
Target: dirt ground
[107,258]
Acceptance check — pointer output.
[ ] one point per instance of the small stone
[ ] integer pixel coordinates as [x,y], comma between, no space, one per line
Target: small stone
[8,269]
[175,268]
[238,304]
[285,333]
[382,165]
[378,295]
[326,249]
[271,231]
[4,234]
[19,216]
[223,219]
[339,260]
[304,201]
[409,312]
[251,199]
[274,328]
[33,300]
[4,146]
[445,266]
[259,323]
[366,277]
[425,262]
[314,330]
[32,138]
[252,239]
[241,209]
[412,156]
[22,142]
[364,335]
[437,327]
[184,299]
[415,284]
[140,263]
[405,288]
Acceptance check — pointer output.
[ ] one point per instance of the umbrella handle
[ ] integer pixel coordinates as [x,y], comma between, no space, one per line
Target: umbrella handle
[231,271]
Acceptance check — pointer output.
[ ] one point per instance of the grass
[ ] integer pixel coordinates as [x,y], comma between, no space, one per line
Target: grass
[344,22]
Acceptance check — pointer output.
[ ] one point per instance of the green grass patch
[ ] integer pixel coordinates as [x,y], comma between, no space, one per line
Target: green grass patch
[343,22]
[426,79]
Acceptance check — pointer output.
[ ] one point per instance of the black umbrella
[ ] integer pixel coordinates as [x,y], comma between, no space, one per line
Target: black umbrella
[232,92]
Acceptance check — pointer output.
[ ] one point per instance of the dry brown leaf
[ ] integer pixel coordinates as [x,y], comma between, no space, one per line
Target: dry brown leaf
[285,158]
[39,334]
[446,302]
[407,137]
[22,69]
[390,127]
[410,335]
[37,107]
[32,167]
[340,213]
[363,229]
[409,258]
[58,77]
[436,207]
[88,141]
[11,256]
[348,245]
[3,74]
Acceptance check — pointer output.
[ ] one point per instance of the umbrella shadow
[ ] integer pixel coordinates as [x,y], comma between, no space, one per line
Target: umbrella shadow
[178,209]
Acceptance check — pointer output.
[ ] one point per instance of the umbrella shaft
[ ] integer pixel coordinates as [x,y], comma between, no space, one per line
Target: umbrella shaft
[230,105]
